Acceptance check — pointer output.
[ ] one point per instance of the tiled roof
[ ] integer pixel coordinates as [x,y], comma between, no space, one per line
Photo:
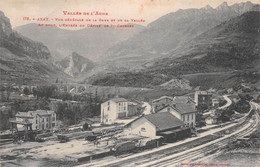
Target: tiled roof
[182,108]
[20,122]
[164,121]
[159,108]
[42,112]
[185,108]
[118,99]
[183,99]
[23,114]
[164,97]
[29,113]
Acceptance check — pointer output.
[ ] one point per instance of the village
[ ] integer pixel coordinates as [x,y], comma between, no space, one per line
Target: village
[129,83]
[123,126]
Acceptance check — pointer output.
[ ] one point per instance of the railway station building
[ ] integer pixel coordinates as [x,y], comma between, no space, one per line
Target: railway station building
[159,124]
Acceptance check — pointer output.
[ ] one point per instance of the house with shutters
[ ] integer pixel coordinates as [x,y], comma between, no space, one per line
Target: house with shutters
[162,102]
[185,112]
[203,100]
[40,119]
[117,108]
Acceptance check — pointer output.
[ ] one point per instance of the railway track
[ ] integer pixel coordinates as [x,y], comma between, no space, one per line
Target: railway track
[245,126]
[209,148]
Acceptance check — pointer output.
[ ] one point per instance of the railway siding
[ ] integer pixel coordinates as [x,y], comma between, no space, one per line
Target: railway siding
[247,125]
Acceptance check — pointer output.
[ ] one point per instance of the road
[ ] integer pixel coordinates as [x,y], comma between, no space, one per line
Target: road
[229,102]
[164,157]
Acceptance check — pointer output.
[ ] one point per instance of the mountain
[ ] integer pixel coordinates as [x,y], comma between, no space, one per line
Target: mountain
[226,55]
[89,42]
[75,64]
[23,60]
[232,45]
[169,32]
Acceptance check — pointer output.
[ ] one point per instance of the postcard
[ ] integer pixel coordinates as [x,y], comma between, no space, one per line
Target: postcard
[129,83]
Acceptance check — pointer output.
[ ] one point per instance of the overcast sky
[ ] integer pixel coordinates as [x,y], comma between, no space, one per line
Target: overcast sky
[149,10]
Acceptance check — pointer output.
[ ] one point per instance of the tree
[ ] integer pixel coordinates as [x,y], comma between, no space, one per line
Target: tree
[65,96]
[46,91]
[200,121]
[43,104]
[2,97]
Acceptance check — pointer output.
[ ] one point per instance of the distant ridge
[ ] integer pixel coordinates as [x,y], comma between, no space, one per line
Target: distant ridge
[89,42]
[169,32]
[226,55]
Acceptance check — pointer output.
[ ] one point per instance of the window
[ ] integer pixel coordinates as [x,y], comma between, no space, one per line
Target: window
[124,108]
[47,119]
[42,126]
[108,108]
[168,109]
[188,118]
[36,121]
[47,125]
[36,127]
[192,116]
[143,129]
[43,120]
[121,115]
[183,118]
[53,119]
[53,124]
[108,103]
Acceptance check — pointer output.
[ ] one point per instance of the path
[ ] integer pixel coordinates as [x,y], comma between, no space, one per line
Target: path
[229,102]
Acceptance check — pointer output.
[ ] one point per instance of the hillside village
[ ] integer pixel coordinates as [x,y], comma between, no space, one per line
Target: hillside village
[182,88]
[122,124]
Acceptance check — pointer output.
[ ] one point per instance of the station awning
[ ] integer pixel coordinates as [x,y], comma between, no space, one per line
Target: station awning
[20,122]
[169,132]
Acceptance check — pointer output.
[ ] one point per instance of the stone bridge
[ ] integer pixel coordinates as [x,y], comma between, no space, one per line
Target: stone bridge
[73,87]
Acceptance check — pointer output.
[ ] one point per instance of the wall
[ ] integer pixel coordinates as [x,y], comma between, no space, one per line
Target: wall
[189,119]
[132,110]
[203,100]
[172,111]
[108,116]
[136,128]
[39,124]
[160,103]
[122,107]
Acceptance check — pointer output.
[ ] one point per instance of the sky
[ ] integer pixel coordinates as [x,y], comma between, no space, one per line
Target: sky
[148,10]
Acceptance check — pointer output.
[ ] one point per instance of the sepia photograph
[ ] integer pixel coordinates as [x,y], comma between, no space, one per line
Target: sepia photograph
[130,83]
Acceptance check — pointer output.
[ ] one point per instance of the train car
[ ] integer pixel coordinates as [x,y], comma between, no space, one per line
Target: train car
[91,137]
[63,138]
[124,147]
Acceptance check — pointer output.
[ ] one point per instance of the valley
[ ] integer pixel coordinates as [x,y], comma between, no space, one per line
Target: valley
[160,92]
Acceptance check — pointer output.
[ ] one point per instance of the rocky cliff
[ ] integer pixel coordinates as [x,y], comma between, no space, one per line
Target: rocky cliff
[22,59]
[75,64]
